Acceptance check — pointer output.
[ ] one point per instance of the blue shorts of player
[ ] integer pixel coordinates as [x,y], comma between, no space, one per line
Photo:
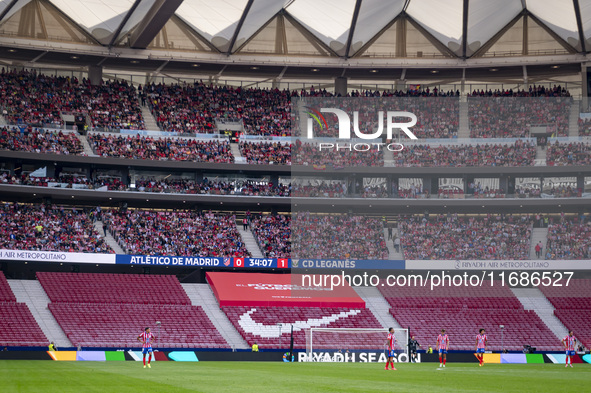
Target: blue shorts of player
[570,353]
[441,350]
[146,350]
[480,350]
[391,354]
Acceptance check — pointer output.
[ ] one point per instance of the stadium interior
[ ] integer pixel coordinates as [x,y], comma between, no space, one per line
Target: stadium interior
[168,128]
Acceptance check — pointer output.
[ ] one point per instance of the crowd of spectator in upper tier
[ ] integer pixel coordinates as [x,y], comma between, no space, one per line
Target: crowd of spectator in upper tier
[520,153]
[49,228]
[511,114]
[337,236]
[569,238]
[272,233]
[149,148]
[177,232]
[494,236]
[31,98]
[39,141]
[571,153]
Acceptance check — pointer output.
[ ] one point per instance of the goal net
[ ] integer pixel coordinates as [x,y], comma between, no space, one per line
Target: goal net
[350,340]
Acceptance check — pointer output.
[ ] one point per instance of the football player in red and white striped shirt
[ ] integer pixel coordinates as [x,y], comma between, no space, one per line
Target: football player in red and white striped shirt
[481,340]
[442,347]
[569,343]
[146,339]
[390,348]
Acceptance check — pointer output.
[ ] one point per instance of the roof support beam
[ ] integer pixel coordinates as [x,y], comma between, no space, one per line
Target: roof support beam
[7,9]
[123,22]
[352,28]
[465,28]
[487,45]
[320,46]
[39,56]
[155,19]
[405,6]
[239,26]
[580,25]
[438,44]
[558,38]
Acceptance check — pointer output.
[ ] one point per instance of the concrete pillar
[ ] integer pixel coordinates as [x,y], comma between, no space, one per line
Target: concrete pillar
[340,86]
[275,180]
[581,182]
[585,86]
[389,185]
[50,170]
[504,184]
[125,176]
[95,74]
[430,184]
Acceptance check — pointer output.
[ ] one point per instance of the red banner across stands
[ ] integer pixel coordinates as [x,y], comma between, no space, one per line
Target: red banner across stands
[277,290]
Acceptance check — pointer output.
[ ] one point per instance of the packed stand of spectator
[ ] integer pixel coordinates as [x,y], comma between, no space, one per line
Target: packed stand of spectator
[177,232]
[337,236]
[519,154]
[37,99]
[569,237]
[193,108]
[49,228]
[266,153]
[564,191]
[215,187]
[450,193]
[148,148]
[527,192]
[509,114]
[39,141]
[272,233]
[426,92]
[436,118]
[573,153]
[325,189]
[584,127]
[532,91]
[64,181]
[309,155]
[44,181]
[478,191]
[476,237]
[378,191]
[178,186]
[412,192]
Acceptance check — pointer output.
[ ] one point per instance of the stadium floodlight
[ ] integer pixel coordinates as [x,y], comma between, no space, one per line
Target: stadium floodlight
[333,340]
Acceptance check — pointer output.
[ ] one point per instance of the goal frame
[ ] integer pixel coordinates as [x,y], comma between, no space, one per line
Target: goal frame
[401,348]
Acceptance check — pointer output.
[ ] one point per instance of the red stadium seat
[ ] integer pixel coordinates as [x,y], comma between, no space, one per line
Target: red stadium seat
[111,310]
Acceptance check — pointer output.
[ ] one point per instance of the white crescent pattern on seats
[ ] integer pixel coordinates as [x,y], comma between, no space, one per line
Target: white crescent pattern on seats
[274,331]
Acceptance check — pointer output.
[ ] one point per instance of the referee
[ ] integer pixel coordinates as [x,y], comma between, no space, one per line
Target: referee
[413,345]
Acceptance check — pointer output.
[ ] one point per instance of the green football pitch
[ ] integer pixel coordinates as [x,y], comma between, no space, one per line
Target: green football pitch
[255,377]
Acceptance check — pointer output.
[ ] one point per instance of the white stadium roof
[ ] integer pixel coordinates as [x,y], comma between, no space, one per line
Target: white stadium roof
[329,34]
[342,28]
